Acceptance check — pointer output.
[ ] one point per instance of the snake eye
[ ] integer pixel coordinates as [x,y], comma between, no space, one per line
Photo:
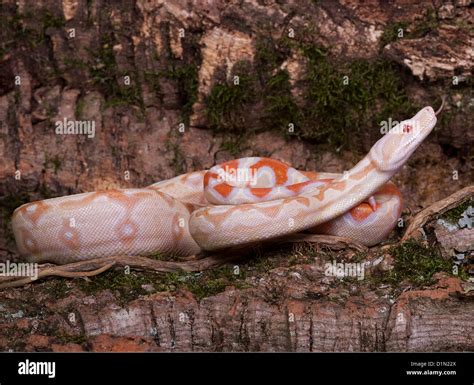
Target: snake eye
[407,129]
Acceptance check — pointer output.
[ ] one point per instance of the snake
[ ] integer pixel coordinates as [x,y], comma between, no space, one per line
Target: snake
[236,203]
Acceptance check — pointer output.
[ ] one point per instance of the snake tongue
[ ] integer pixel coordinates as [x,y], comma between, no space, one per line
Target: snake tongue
[372,203]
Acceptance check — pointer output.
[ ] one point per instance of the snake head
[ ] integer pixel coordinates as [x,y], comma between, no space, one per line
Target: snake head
[395,147]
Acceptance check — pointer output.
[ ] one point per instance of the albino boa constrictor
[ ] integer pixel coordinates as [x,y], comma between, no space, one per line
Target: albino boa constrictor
[236,203]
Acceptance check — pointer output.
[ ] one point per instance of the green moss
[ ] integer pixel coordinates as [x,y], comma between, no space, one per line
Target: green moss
[45,192]
[186,78]
[52,21]
[115,152]
[269,55]
[428,24]
[202,284]
[262,260]
[261,85]
[153,81]
[79,339]
[414,30]
[79,108]
[280,108]
[57,288]
[104,70]
[298,258]
[212,282]
[350,100]
[455,214]
[126,95]
[177,161]
[339,102]
[126,286]
[228,103]
[15,33]
[359,257]
[392,32]
[233,144]
[106,76]
[414,263]
[55,163]
[73,63]
[28,29]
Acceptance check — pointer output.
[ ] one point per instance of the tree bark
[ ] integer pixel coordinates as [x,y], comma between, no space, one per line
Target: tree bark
[293,306]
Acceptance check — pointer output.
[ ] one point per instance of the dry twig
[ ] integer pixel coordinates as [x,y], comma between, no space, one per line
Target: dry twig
[331,241]
[437,209]
[96,266]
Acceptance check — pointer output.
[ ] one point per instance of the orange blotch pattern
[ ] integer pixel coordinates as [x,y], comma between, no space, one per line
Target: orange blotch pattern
[223,189]
[279,168]
[126,231]
[33,211]
[389,189]
[207,176]
[260,192]
[362,173]
[296,188]
[361,211]
[178,231]
[340,186]
[313,175]
[28,241]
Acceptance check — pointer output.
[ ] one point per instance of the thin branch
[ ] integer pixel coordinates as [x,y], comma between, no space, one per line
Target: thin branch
[331,241]
[48,272]
[437,209]
[96,266]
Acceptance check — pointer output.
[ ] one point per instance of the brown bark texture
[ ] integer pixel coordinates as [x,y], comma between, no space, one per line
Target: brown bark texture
[72,59]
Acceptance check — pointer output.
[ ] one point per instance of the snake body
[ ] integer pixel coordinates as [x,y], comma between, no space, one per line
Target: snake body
[235,203]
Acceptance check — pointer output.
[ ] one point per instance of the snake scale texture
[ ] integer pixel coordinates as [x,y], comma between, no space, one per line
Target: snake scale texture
[239,202]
